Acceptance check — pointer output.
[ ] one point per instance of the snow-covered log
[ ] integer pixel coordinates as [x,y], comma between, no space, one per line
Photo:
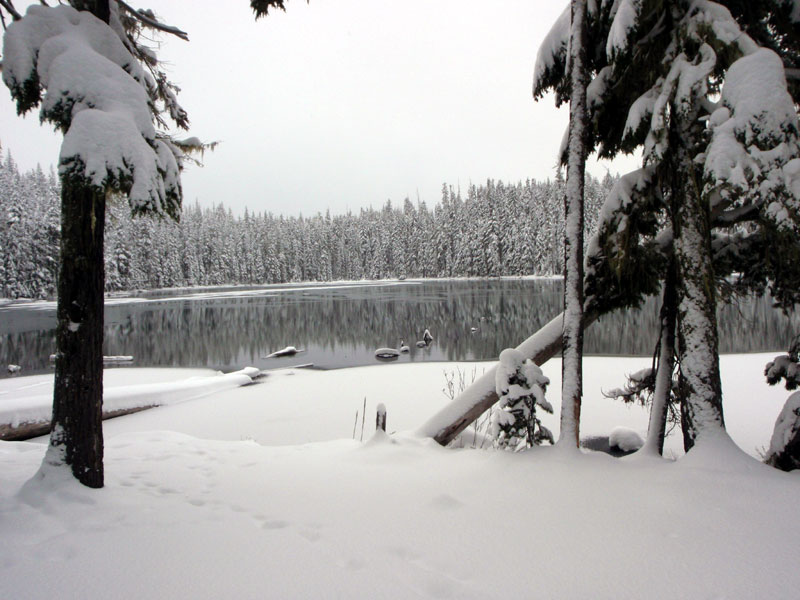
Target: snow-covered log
[29,417]
[451,420]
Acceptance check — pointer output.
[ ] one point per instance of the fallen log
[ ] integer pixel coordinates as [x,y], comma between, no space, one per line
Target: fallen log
[454,418]
[26,431]
[31,416]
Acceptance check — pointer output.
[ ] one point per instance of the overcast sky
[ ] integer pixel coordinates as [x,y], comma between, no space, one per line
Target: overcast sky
[343,104]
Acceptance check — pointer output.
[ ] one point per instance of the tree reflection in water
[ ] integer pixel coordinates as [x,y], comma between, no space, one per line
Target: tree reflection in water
[342,326]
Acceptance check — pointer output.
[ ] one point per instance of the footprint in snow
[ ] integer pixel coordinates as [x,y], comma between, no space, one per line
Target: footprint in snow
[446,502]
[274,524]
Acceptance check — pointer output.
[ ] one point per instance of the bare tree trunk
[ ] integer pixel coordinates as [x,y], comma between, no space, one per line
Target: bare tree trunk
[698,347]
[572,365]
[656,431]
[76,437]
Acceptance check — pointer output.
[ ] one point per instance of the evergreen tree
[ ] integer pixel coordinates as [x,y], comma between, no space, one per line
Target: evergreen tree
[661,72]
[110,146]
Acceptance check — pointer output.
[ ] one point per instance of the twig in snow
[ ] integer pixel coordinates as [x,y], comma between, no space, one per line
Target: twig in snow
[363,414]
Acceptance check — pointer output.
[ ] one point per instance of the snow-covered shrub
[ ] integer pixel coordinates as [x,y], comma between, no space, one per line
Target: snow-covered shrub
[784,447]
[521,386]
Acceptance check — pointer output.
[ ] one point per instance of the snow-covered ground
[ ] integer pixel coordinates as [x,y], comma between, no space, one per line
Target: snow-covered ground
[261,492]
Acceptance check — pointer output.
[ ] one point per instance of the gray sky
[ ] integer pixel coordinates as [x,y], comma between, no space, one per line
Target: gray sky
[343,104]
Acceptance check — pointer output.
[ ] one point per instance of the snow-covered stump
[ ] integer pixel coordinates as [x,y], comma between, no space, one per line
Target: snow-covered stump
[380,418]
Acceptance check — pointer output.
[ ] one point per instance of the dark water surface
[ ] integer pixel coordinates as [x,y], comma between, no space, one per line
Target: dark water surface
[341,325]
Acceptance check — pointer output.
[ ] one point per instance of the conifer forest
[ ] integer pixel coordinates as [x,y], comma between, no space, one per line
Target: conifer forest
[486,230]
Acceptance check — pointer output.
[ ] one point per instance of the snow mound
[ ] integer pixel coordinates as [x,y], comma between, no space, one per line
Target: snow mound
[625,439]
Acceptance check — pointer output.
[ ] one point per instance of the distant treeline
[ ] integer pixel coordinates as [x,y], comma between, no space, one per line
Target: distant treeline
[489,230]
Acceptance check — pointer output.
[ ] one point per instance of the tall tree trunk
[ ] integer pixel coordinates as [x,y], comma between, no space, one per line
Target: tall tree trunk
[76,437]
[76,431]
[656,431]
[572,353]
[698,347]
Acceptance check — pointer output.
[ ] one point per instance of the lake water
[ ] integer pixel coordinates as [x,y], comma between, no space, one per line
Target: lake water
[341,325]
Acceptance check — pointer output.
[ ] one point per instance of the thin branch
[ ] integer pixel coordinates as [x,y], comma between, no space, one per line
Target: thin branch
[11,10]
[734,216]
[150,22]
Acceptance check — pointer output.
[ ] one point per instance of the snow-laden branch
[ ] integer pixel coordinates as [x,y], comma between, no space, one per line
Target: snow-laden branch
[148,19]
[754,154]
[622,27]
[95,91]
[551,55]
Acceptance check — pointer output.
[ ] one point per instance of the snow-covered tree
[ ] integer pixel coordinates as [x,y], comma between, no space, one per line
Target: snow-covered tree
[84,66]
[572,334]
[710,108]
[521,386]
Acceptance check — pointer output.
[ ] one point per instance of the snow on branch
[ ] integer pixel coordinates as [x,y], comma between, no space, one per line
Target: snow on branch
[785,367]
[149,19]
[551,57]
[97,94]
[623,27]
[624,257]
[754,154]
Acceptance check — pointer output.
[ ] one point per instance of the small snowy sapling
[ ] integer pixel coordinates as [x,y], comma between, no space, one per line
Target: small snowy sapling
[521,386]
